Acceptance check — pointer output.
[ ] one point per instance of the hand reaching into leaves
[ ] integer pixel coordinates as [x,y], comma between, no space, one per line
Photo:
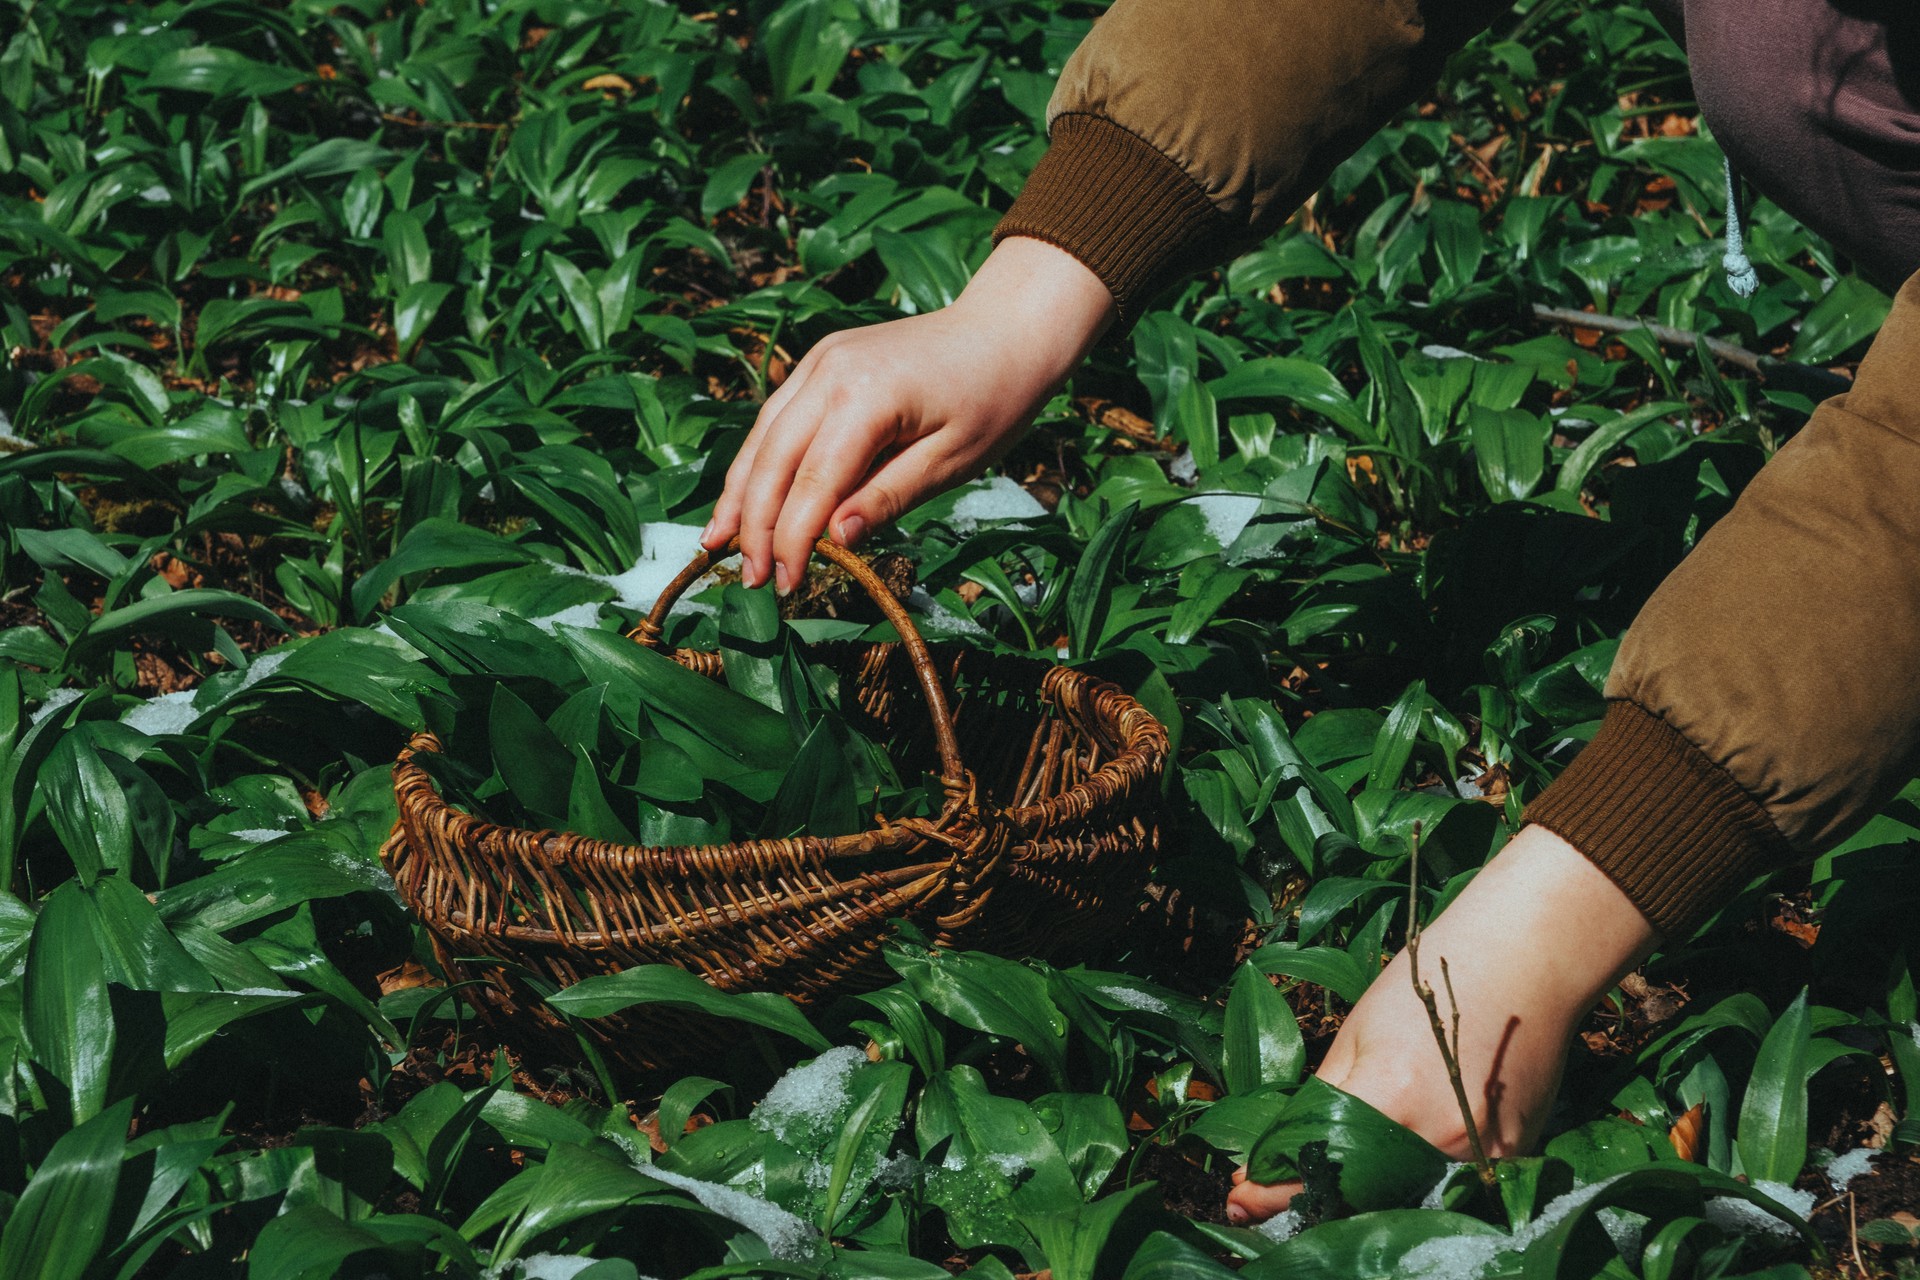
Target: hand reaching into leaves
[875,421]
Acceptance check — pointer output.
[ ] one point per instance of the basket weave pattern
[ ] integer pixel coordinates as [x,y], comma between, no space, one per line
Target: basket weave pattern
[1038,848]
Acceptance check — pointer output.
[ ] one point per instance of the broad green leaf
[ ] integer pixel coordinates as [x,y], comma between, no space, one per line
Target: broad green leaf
[1323,966]
[665,984]
[1394,746]
[879,1095]
[818,795]
[1167,1257]
[806,41]
[750,644]
[1772,1138]
[1510,450]
[88,808]
[742,730]
[1263,1045]
[59,1224]
[1090,594]
[1293,380]
[1368,1246]
[66,1015]
[992,994]
[1604,439]
[1090,1132]
[536,766]
[928,266]
[729,181]
[304,866]
[1850,312]
[116,626]
[1382,1164]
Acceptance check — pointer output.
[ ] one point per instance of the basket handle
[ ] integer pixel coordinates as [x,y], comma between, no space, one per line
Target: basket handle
[953,772]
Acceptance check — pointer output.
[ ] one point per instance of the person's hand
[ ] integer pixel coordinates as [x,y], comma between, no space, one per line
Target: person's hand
[874,421]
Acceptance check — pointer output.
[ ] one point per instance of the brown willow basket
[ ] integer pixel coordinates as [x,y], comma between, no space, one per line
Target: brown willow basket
[1039,847]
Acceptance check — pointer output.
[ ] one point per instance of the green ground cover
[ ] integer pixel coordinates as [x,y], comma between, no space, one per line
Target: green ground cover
[332,328]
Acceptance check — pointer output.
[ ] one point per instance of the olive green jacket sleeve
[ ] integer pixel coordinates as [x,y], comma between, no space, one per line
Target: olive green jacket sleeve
[1766,701]
[1182,130]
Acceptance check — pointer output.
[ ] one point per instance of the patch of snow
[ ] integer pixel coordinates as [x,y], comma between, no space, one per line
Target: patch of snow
[942,617]
[996,498]
[261,667]
[897,1173]
[169,713]
[789,1238]
[1009,1164]
[1284,1225]
[1133,999]
[809,1098]
[1626,1229]
[1183,469]
[1468,1257]
[1913,1029]
[665,549]
[257,835]
[553,1266]
[55,700]
[1027,593]
[1468,789]
[1559,1210]
[1450,1258]
[1843,1169]
[1226,514]
[1743,1218]
[1433,1199]
[579,615]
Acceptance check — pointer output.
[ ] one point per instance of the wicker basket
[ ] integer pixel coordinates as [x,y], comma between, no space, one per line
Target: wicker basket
[1038,848]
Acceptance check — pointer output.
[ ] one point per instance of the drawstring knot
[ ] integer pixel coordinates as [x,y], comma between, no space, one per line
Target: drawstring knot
[1741,277]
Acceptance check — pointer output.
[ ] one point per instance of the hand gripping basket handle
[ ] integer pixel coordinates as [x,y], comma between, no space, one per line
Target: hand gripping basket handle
[952,772]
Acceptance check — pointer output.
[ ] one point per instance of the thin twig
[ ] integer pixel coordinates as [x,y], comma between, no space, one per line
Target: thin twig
[1853,1233]
[1732,353]
[1789,375]
[1449,1052]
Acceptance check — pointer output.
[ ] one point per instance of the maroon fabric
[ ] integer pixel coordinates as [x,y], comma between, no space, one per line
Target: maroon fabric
[1817,102]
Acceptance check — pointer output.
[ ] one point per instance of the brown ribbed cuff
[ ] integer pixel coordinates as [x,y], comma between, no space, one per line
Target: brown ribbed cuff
[1667,824]
[1122,207]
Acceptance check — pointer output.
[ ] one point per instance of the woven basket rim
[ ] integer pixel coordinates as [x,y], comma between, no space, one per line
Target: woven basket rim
[1137,728]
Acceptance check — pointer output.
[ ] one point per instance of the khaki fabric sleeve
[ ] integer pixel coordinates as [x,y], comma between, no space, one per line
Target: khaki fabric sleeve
[1766,702]
[1182,130]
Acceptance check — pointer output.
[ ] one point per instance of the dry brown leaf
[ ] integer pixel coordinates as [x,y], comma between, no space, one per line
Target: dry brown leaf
[1688,1131]
[405,976]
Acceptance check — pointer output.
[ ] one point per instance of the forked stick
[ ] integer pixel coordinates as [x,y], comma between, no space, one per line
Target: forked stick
[1449,1050]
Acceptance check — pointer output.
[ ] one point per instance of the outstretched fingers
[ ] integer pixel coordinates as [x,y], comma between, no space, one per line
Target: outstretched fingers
[727,511]
[928,466]
[839,458]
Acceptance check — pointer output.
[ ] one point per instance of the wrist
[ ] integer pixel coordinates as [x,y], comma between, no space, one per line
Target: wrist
[1046,303]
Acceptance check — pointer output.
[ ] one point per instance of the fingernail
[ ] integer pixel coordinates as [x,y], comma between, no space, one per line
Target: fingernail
[747,572]
[706,534]
[780,584]
[852,529]
[1236,1215]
